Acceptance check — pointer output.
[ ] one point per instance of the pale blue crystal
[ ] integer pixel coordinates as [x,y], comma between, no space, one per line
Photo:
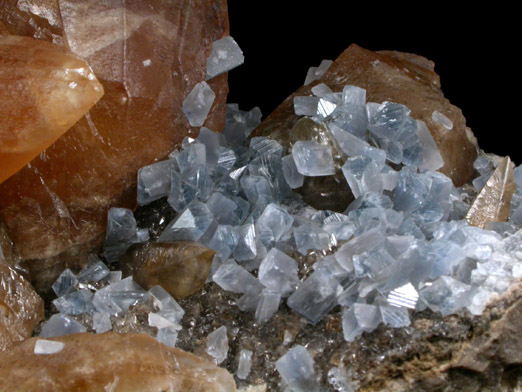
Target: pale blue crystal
[309,236]
[306,106]
[320,90]
[197,104]
[431,158]
[296,368]
[292,176]
[267,306]
[226,55]
[94,273]
[239,124]
[360,318]
[246,248]
[244,365]
[217,344]
[190,225]
[446,295]
[60,325]
[74,303]
[278,272]
[65,283]
[354,95]
[351,118]
[395,317]
[154,181]
[101,322]
[211,141]
[273,223]
[121,233]
[224,241]
[232,277]
[313,159]
[350,144]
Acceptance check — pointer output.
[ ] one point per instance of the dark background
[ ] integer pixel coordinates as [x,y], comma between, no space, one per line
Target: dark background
[475,51]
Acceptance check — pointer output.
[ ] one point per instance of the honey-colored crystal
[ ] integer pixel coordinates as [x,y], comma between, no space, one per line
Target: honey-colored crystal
[21,309]
[148,56]
[109,362]
[44,91]
[181,267]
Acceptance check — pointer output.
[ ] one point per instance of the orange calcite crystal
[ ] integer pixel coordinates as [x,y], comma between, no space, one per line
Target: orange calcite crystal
[44,91]
[148,56]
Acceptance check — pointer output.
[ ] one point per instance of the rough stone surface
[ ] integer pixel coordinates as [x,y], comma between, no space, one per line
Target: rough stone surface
[143,54]
[44,90]
[403,78]
[21,309]
[181,267]
[109,362]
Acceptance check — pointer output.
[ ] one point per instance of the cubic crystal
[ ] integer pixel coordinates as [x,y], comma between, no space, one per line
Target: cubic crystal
[313,159]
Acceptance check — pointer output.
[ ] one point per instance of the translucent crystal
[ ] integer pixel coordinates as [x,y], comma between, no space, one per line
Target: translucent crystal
[358,245]
[94,273]
[292,176]
[296,367]
[223,209]
[232,277]
[351,118]
[122,232]
[167,305]
[485,165]
[101,322]
[360,318]
[168,336]
[74,303]
[59,325]
[350,144]
[306,106]
[224,241]
[442,120]
[278,272]
[226,55]
[118,297]
[325,107]
[211,141]
[354,95]
[446,295]
[363,175]
[316,296]
[65,283]
[273,223]
[395,317]
[321,90]
[245,363]
[313,159]
[239,124]
[158,321]
[248,301]
[309,236]
[197,104]
[217,344]
[341,381]
[246,248]
[267,305]
[154,181]
[190,225]
[193,155]
[47,347]
[431,158]
[194,183]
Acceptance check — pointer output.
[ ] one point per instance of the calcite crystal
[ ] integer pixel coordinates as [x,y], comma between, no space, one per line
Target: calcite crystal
[44,90]
[144,56]
[109,362]
[21,309]
[181,267]
[403,78]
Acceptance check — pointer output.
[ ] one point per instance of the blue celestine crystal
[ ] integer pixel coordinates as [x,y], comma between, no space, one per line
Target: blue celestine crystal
[74,303]
[296,367]
[273,223]
[232,277]
[244,365]
[190,225]
[315,73]
[154,181]
[351,118]
[360,318]
[446,295]
[226,55]
[313,159]
[292,176]
[60,325]
[268,304]
[224,241]
[65,283]
[306,106]
[278,272]
[217,344]
[197,104]
[239,124]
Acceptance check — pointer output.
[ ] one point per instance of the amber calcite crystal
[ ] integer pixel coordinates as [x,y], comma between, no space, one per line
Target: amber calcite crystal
[404,78]
[109,362]
[21,309]
[181,267]
[148,56]
[44,90]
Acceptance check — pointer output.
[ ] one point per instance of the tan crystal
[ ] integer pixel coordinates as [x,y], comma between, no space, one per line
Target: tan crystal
[109,362]
[21,309]
[148,57]
[181,267]
[493,201]
[44,91]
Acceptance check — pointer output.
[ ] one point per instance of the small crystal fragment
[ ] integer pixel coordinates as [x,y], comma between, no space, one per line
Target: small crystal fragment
[190,225]
[360,318]
[168,336]
[321,90]
[43,346]
[65,283]
[74,303]
[94,273]
[101,322]
[442,120]
[197,104]
[59,325]
[122,232]
[232,277]
[168,307]
[315,73]
[296,367]
[267,306]
[278,272]
[325,107]
[306,106]
[226,55]
[431,158]
[245,363]
[211,141]
[154,181]
[217,344]
[313,159]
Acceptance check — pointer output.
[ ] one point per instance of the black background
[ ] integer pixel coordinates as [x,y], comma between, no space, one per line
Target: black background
[475,51]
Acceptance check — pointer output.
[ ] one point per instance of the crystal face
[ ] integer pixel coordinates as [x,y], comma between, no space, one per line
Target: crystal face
[313,159]
[226,55]
[197,104]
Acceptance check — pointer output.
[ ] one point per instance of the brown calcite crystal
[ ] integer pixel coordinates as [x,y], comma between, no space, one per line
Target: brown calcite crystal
[21,309]
[181,267]
[492,203]
[109,362]
[44,90]
[399,77]
[148,57]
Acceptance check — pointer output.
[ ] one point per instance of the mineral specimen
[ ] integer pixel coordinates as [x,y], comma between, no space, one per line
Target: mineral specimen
[144,57]
[44,90]
[111,361]
[181,268]
[21,309]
